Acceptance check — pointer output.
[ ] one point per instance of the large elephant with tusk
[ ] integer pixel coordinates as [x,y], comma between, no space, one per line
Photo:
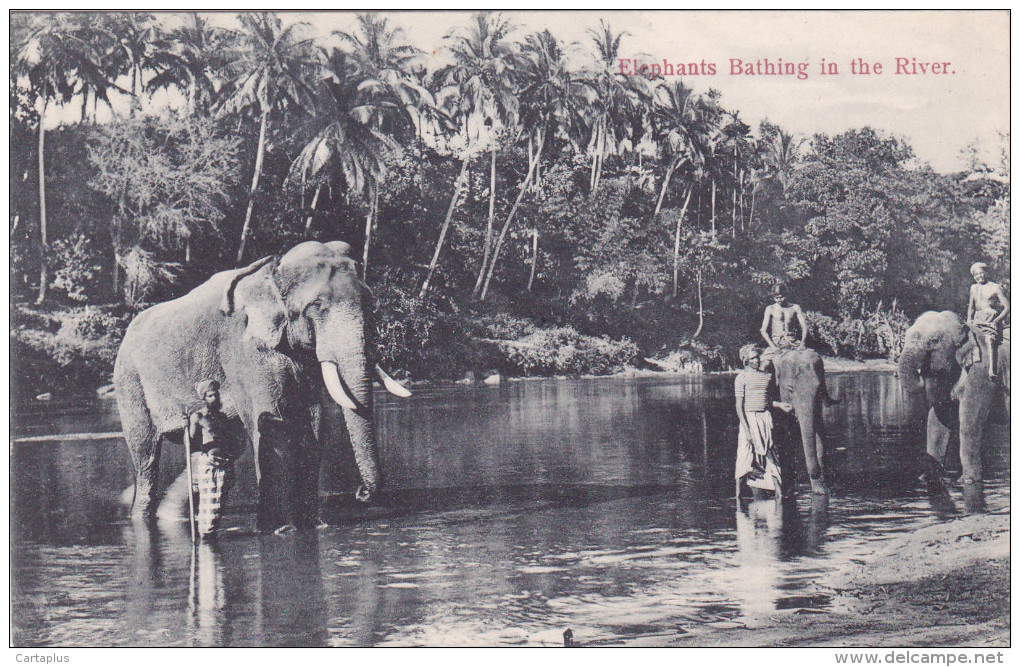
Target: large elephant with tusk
[275,334]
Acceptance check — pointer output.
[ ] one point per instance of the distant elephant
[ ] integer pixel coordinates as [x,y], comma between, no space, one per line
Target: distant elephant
[274,334]
[800,376]
[934,348]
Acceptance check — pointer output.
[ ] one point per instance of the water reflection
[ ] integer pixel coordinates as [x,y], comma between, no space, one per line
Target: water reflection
[513,513]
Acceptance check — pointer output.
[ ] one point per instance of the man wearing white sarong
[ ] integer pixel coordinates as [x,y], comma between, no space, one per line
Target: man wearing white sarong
[756,453]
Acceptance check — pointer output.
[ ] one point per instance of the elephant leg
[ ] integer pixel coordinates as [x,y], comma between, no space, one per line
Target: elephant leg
[307,462]
[174,505]
[275,464]
[143,440]
[813,446]
[974,410]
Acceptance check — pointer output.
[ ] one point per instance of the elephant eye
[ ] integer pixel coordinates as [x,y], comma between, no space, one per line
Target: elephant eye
[316,306]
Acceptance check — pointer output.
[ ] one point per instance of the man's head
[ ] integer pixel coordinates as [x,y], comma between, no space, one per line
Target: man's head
[209,391]
[779,293]
[750,355]
[979,270]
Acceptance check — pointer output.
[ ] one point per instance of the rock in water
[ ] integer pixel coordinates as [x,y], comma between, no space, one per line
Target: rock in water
[44,397]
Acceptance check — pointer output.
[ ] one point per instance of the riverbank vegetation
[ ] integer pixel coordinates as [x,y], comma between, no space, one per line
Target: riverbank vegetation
[514,201]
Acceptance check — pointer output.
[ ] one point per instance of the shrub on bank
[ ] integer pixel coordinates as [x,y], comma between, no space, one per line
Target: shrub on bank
[65,352]
[563,351]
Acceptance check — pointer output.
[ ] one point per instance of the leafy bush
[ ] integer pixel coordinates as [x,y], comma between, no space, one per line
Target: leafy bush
[417,337]
[78,267]
[696,357]
[563,351]
[879,336]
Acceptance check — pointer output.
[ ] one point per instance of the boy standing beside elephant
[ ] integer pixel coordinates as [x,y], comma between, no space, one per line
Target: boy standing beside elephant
[214,449]
[986,310]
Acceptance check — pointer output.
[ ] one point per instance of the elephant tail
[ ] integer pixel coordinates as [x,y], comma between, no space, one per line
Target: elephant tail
[828,401]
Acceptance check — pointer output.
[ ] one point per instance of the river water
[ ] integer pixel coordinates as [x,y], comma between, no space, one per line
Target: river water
[514,512]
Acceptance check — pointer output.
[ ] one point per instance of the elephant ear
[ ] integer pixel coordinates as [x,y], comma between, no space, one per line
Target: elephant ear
[253,291]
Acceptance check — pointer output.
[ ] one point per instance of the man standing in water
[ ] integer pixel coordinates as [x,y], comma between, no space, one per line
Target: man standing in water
[214,449]
[757,461]
[777,328]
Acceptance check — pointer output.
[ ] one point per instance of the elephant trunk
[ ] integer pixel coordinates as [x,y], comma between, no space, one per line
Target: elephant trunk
[346,375]
[913,384]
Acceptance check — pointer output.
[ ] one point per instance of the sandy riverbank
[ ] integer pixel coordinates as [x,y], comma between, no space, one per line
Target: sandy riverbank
[946,585]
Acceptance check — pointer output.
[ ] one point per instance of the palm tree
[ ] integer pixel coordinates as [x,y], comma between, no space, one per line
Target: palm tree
[616,108]
[682,133]
[480,81]
[345,139]
[267,72]
[384,62]
[553,100]
[135,34]
[186,58]
[782,157]
[49,59]
[678,130]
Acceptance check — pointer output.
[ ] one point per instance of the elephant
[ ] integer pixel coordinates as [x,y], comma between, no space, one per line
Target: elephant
[800,376]
[283,336]
[935,350]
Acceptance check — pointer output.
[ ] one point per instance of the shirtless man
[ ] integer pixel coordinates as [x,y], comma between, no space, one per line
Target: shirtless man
[213,452]
[987,308]
[778,326]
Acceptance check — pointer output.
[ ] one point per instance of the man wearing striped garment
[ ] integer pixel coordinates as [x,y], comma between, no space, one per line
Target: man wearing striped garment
[757,462]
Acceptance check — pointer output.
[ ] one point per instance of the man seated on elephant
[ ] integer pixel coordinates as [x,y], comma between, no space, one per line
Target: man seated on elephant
[214,448]
[757,459]
[778,326]
[986,310]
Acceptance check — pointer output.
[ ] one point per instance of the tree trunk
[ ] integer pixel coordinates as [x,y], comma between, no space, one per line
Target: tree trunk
[510,217]
[602,158]
[488,227]
[311,214]
[701,310]
[665,184]
[734,211]
[446,225]
[676,240]
[118,222]
[713,207]
[534,257]
[750,215]
[254,185]
[44,278]
[373,211]
[187,251]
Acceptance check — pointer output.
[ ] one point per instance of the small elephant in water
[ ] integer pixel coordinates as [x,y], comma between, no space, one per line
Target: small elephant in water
[935,350]
[800,376]
[277,335]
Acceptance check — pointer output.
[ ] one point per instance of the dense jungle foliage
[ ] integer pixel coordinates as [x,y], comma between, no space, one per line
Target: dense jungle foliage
[522,206]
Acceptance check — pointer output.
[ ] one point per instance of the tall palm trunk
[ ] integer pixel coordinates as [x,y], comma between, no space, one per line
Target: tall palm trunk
[446,225]
[534,257]
[713,206]
[676,240]
[370,221]
[602,157]
[488,227]
[311,214]
[510,217]
[665,184]
[701,309]
[44,278]
[254,183]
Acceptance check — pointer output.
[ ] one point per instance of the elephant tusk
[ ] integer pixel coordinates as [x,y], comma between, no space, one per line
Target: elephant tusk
[337,390]
[391,385]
